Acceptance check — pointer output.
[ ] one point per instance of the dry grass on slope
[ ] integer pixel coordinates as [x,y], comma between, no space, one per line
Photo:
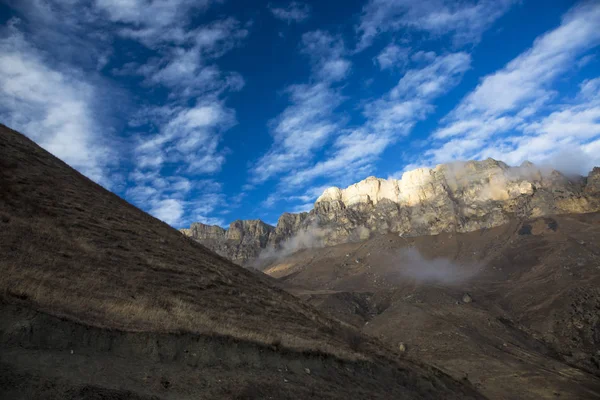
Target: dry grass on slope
[73,249]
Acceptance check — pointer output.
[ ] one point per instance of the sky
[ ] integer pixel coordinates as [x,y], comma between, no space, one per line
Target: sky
[216,110]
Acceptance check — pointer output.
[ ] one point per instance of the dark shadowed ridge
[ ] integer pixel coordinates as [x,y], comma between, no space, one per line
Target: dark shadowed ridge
[100,300]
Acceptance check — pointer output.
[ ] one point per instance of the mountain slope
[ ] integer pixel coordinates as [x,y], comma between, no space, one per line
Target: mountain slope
[455,197]
[514,308]
[100,300]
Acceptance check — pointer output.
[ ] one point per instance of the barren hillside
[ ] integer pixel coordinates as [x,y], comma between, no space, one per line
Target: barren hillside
[101,300]
[513,309]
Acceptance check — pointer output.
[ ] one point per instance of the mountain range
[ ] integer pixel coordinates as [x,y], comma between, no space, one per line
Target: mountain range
[454,197]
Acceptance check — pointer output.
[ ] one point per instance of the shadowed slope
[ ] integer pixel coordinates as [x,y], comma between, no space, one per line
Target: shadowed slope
[98,297]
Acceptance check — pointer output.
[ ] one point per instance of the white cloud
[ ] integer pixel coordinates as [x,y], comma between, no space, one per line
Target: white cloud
[434,79]
[353,154]
[393,57]
[294,12]
[410,100]
[188,137]
[465,20]
[189,140]
[327,55]
[563,139]
[205,205]
[585,60]
[186,141]
[168,210]
[509,115]
[144,12]
[52,106]
[589,88]
[528,76]
[187,67]
[70,30]
[308,197]
[299,130]
[177,200]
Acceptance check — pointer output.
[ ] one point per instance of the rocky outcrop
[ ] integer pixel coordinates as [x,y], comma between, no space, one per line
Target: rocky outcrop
[252,232]
[243,241]
[593,182]
[455,197]
[287,226]
[199,230]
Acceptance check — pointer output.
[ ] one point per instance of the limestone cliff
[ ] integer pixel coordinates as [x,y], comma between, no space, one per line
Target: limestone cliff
[455,197]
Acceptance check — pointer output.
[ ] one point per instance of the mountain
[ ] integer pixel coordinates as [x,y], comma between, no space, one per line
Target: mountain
[99,300]
[455,197]
[513,309]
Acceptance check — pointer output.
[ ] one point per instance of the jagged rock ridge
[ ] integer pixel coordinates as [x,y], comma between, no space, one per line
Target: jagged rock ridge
[454,197]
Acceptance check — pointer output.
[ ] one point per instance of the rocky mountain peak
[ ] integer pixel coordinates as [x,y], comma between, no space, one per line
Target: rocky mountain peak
[526,164]
[249,230]
[198,229]
[370,190]
[492,179]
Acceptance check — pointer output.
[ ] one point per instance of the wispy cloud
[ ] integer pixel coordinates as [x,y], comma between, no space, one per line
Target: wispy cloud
[388,119]
[181,138]
[306,207]
[393,57]
[141,94]
[302,128]
[189,139]
[308,123]
[54,106]
[327,55]
[306,197]
[58,98]
[71,32]
[153,21]
[293,12]
[187,65]
[465,20]
[567,139]
[352,153]
[509,114]
[177,200]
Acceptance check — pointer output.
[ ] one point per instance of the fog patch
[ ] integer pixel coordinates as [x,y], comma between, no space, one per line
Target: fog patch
[479,184]
[307,238]
[408,263]
[359,234]
[572,162]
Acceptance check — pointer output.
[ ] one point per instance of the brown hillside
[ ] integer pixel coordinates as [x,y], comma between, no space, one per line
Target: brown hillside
[515,309]
[101,300]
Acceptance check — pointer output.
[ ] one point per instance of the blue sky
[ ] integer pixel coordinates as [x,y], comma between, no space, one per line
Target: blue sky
[216,110]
